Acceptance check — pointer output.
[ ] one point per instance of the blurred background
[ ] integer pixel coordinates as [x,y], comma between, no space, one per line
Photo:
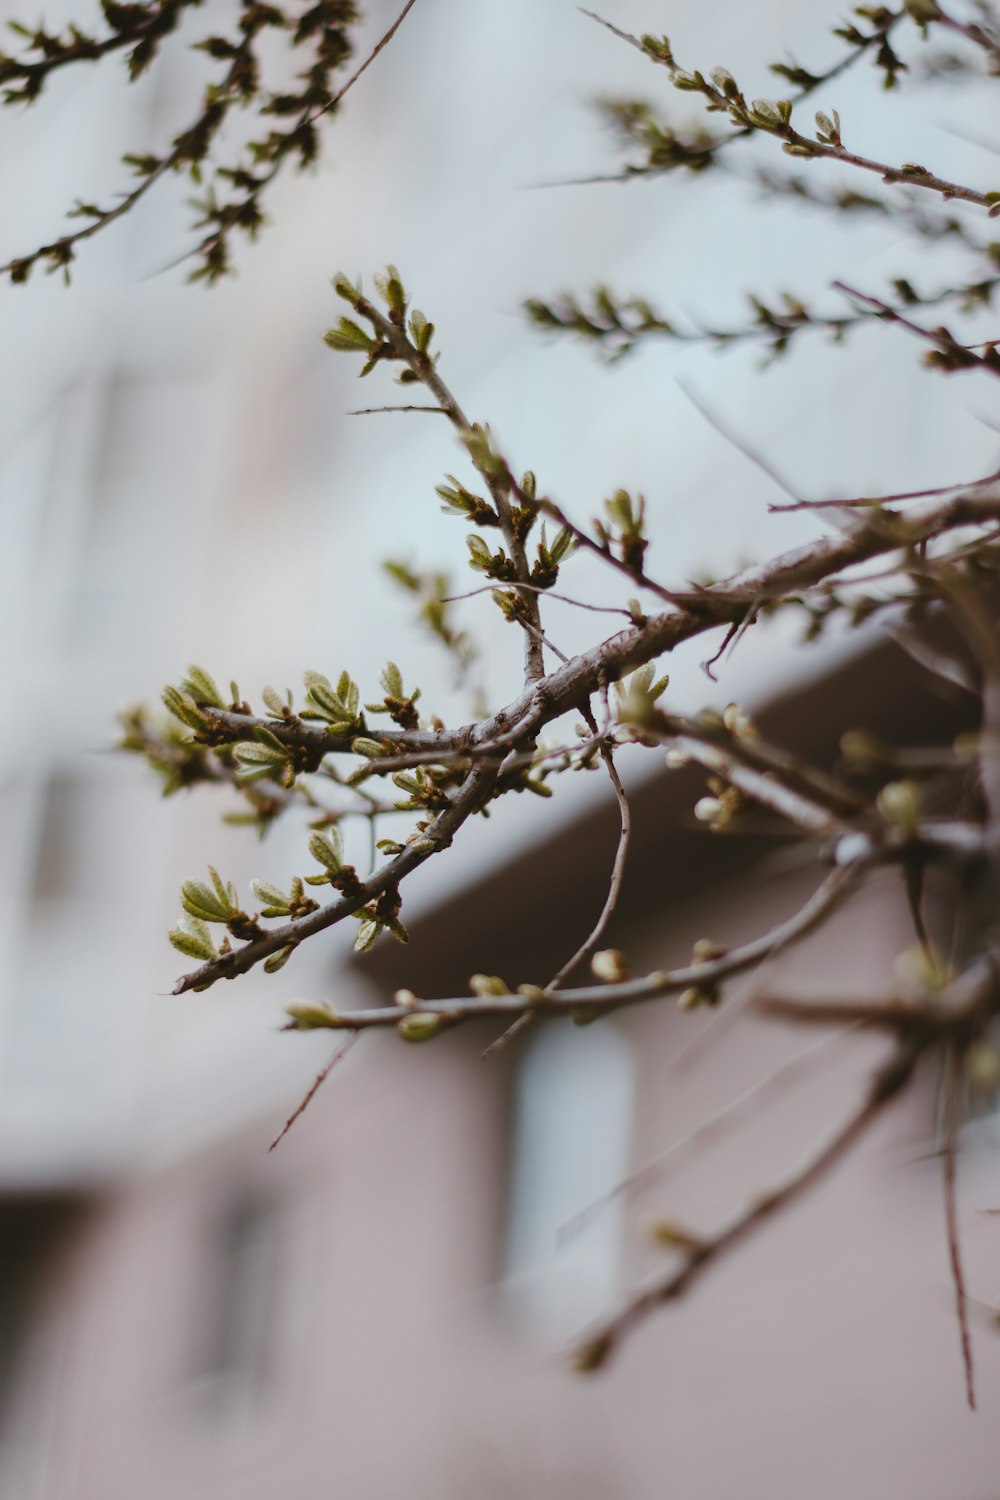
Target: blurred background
[380,1305]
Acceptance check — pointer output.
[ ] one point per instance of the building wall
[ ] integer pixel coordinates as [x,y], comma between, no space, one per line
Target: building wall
[373,1342]
[179,480]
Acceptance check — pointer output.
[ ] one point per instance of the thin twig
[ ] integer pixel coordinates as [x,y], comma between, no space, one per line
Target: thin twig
[863,501]
[500,485]
[315,1087]
[889,1081]
[589,946]
[603,551]
[607,997]
[710,1130]
[383,41]
[951,1221]
[371,411]
[534,588]
[959,356]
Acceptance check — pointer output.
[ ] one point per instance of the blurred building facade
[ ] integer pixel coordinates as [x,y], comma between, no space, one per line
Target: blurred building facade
[385,1303]
[181,1313]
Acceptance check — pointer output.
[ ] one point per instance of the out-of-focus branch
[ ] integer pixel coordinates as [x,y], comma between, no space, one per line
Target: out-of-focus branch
[947,354]
[951,1082]
[699,1254]
[288,119]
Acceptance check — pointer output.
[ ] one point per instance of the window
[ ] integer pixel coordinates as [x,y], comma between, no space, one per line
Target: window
[570,1142]
[59,849]
[34,1233]
[234,1353]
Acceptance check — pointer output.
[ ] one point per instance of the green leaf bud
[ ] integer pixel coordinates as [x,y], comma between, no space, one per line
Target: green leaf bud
[899,804]
[389,286]
[350,291]
[370,749]
[327,848]
[276,961]
[253,753]
[200,686]
[309,1016]
[192,938]
[367,935]
[420,1027]
[201,902]
[725,82]
[487,984]
[348,338]
[274,702]
[183,708]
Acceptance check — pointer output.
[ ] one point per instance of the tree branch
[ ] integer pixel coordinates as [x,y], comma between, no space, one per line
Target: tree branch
[700,1254]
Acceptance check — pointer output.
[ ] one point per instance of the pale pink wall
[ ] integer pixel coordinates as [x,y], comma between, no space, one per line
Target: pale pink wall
[821,1362]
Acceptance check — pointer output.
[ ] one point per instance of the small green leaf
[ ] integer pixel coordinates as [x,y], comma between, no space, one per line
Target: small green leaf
[200,686]
[192,938]
[327,848]
[253,753]
[370,749]
[275,900]
[275,703]
[202,903]
[348,338]
[278,960]
[367,935]
[183,708]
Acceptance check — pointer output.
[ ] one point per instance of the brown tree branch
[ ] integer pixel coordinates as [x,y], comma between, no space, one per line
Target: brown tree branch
[706,1133]
[570,686]
[951,1223]
[500,484]
[948,353]
[700,1254]
[314,1089]
[473,795]
[610,997]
